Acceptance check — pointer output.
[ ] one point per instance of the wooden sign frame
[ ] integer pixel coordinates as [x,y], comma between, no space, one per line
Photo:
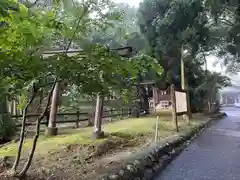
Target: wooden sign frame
[182,91]
[174,107]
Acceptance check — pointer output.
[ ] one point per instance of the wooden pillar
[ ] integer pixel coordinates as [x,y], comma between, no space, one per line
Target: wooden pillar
[52,129]
[9,106]
[15,107]
[97,128]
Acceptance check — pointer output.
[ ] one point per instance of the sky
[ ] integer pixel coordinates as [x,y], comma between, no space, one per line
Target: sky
[235,78]
[130,2]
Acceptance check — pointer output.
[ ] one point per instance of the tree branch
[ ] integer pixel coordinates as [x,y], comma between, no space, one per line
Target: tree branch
[77,26]
[226,22]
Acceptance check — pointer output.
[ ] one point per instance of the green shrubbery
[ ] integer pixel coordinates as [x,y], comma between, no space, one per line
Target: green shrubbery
[7,128]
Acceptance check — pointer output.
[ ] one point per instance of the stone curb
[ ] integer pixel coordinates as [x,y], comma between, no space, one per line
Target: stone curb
[154,162]
[220,115]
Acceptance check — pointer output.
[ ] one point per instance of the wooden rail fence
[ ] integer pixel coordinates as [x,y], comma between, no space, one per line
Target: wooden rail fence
[78,116]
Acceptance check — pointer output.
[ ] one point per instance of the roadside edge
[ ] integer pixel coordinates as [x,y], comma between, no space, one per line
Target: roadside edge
[157,157]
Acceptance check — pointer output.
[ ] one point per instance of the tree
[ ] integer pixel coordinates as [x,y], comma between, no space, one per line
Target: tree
[171,28]
[186,31]
[125,31]
[91,69]
[173,25]
[215,82]
[224,21]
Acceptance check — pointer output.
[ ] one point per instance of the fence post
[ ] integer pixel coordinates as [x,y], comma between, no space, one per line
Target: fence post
[122,113]
[138,113]
[129,112]
[111,113]
[90,118]
[78,119]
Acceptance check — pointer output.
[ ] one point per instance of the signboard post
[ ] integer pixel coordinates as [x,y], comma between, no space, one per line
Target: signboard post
[179,104]
[174,107]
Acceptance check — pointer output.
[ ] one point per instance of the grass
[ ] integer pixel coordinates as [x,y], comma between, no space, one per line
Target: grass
[74,155]
[143,126]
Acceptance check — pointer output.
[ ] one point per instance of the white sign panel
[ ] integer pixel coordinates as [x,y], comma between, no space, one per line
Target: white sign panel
[181,101]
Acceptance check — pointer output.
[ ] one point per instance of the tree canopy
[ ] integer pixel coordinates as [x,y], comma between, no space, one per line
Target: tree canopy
[26,34]
[186,29]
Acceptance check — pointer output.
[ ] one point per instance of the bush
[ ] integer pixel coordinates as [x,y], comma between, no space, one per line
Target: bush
[7,128]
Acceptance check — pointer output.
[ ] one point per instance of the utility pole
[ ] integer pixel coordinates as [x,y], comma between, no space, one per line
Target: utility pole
[183,84]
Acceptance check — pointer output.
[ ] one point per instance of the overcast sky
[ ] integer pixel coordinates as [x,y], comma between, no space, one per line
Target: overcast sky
[130,2]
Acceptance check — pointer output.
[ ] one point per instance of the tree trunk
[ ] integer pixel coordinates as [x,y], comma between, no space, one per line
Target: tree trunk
[238,11]
[144,100]
[182,71]
[97,131]
[189,112]
[52,129]
[210,100]
[4,105]
[174,111]
[30,157]
[16,162]
[27,165]
[154,98]
[41,99]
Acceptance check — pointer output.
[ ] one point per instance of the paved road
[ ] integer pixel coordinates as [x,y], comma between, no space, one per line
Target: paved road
[214,155]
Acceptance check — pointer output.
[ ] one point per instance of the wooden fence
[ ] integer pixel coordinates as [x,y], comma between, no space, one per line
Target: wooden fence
[78,116]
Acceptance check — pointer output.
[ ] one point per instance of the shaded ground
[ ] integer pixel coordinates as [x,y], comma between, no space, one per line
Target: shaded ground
[73,155]
[214,155]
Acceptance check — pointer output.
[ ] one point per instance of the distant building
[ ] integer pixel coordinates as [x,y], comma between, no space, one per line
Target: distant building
[230,95]
[161,100]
